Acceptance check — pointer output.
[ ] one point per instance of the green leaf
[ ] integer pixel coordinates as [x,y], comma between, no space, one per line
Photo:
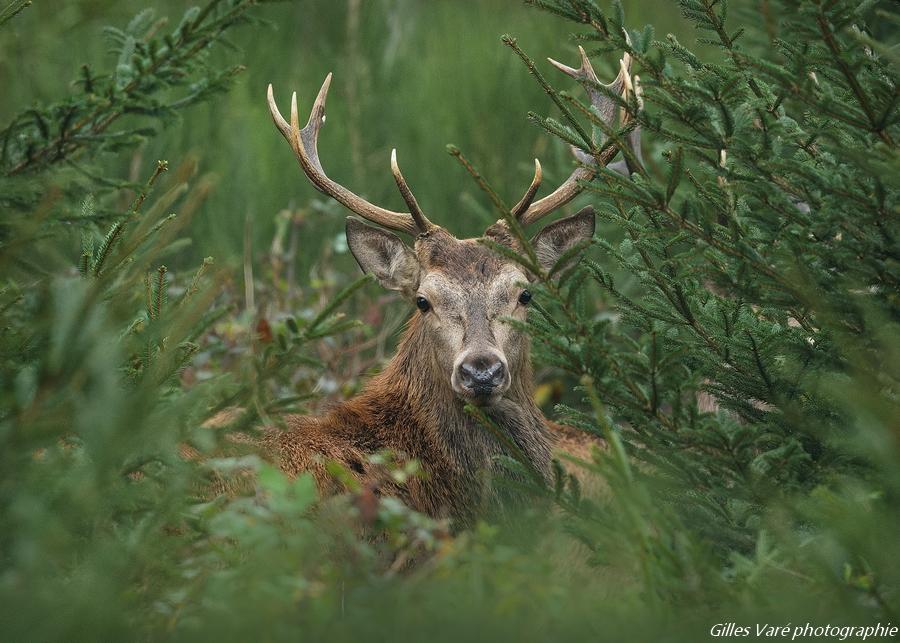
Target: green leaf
[273,479]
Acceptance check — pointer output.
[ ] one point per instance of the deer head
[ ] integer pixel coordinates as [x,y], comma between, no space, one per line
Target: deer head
[465,292]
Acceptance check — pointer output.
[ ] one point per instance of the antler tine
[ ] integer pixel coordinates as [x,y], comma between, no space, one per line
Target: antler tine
[421,220]
[588,79]
[569,189]
[282,125]
[585,72]
[520,207]
[633,138]
[606,109]
[304,142]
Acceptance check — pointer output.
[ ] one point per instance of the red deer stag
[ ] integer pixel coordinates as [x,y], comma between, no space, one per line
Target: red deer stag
[458,348]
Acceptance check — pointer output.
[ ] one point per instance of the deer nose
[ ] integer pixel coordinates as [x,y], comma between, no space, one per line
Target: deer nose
[482,373]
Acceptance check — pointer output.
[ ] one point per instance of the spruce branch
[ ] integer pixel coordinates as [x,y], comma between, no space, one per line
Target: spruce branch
[159,293]
[161,167]
[511,42]
[875,124]
[13,9]
[149,64]
[482,183]
[106,247]
[513,224]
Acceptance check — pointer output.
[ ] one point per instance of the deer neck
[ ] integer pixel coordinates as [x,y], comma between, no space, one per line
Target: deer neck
[424,385]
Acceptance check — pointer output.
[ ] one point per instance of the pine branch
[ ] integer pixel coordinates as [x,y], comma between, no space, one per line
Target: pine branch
[834,48]
[511,42]
[152,65]
[12,10]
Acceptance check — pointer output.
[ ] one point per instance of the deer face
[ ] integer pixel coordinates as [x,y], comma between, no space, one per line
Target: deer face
[466,296]
[464,292]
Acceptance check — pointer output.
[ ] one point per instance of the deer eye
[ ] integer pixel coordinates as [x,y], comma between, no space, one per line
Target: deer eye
[423,304]
[525,297]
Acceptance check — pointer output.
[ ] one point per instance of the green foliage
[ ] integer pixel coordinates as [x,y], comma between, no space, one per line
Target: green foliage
[751,261]
[757,284]
[150,63]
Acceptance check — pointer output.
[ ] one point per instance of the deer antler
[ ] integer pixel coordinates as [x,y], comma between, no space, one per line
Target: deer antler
[528,212]
[522,206]
[304,143]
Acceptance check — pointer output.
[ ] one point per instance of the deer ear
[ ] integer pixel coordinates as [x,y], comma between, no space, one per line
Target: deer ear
[563,235]
[384,255]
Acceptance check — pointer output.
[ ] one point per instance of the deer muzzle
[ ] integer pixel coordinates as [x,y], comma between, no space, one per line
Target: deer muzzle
[481,376]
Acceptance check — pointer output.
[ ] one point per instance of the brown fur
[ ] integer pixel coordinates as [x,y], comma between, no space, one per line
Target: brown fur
[402,409]
[411,408]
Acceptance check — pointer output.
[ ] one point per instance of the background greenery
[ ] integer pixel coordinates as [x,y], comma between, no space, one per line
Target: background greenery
[411,75]
[767,280]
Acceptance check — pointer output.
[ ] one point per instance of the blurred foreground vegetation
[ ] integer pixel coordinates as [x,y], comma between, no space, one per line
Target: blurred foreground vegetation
[750,259]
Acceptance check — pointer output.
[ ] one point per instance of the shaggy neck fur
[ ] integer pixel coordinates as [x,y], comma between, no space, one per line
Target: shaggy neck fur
[465,444]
